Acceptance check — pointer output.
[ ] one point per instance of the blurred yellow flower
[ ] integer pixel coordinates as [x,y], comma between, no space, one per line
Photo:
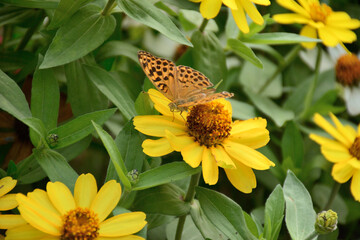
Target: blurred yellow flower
[320,22]
[210,9]
[343,151]
[7,201]
[208,136]
[57,214]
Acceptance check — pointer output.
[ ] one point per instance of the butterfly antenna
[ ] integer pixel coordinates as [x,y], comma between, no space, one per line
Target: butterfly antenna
[218,84]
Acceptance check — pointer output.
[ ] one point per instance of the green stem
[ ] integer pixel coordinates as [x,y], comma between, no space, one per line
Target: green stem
[334,191]
[203,25]
[288,59]
[312,235]
[310,95]
[30,32]
[188,199]
[109,6]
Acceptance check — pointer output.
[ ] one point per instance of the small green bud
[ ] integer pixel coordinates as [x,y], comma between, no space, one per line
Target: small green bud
[52,139]
[133,175]
[326,222]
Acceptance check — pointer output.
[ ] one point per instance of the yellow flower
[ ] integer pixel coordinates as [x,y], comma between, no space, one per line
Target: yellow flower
[343,151]
[210,9]
[208,136]
[320,22]
[57,214]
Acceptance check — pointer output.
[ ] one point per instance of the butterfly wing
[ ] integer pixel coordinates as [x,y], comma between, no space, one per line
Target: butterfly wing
[161,73]
[203,97]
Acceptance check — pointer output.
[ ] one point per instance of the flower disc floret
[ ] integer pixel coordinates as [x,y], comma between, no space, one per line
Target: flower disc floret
[80,223]
[209,124]
[355,148]
[348,70]
[319,12]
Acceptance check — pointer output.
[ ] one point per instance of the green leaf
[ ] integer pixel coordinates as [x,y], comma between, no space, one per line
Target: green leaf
[45,97]
[83,95]
[224,213]
[164,199]
[254,79]
[242,110]
[207,229]
[117,48]
[274,214]
[43,4]
[292,145]
[244,51]
[112,89]
[80,127]
[38,127]
[64,11]
[12,99]
[279,38]
[207,49]
[114,154]
[11,61]
[146,13]
[268,107]
[84,32]
[300,215]
[251,224]
[164,174]
[144,105]
[56,167]
[12,15]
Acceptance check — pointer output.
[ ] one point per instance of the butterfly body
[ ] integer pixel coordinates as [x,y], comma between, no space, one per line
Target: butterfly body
[184,86]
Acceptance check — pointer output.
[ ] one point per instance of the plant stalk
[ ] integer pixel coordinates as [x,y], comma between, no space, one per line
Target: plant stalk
[288,59]
[203,25]
[335,189]
[30,32]
[188,199]
[109,6]
[312,235]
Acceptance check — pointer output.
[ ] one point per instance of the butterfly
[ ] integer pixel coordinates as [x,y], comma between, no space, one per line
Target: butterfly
[182,85]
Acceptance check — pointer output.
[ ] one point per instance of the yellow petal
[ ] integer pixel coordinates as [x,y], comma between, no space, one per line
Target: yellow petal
[342,20]
[251,10]
[240,19]
[349,135]
[289,18]
[247,156]
[305,4]
[123,224]
[262,2]
[310,32]
[128,237]
[242,178]
[40,197]
[355,185]
[355,163]
[38,216]
[328,38]
[161,104]
[85,190]
[323,141]
[192,154]
[321,122]
[293,6]
[254,138]
[222,158]
[61,197]
[156,125]
[179,142]
[106,199]
[210,169]
[336,153]
[241,126]
[10,221]
[342,171]
[157,148]
[6,185]
[24,232]
[341,34]
[230,4]
[8,202]
[210,8]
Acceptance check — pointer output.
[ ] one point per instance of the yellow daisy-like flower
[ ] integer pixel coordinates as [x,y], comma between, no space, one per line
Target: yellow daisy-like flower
[208,136]
[210,9]
[320,22]
[7,201]
[343,151]
[57,214]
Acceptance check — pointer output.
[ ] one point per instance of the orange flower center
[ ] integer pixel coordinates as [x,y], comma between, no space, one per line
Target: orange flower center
[209,123]
[348,70]
[355,148]
[80,223]
[319,13]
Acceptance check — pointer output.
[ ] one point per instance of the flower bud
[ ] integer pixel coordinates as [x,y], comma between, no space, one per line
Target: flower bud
[133,175]
[326,222]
